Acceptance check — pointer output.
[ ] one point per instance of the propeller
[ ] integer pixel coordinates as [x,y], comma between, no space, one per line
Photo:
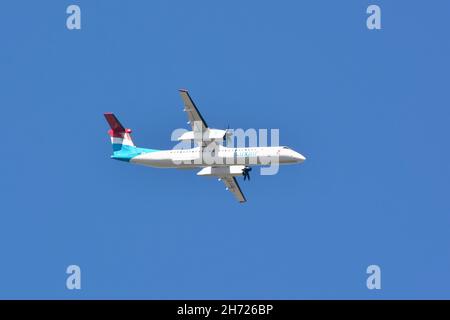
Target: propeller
[245,173]
[227,136]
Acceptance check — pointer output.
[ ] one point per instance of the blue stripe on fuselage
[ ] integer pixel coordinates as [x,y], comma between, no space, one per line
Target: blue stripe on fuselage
[126,153]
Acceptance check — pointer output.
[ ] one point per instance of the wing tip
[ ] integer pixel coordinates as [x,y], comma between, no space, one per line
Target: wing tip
[183,90]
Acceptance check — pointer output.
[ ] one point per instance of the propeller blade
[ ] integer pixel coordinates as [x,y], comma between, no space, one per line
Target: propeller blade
[245,173]
[227,136]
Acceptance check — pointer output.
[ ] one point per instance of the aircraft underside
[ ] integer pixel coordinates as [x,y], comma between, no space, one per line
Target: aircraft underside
[152,161]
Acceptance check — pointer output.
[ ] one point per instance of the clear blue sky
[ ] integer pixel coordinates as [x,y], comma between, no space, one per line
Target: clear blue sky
[369,109]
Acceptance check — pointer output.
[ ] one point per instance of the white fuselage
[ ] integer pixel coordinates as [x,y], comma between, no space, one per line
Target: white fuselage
[218,157]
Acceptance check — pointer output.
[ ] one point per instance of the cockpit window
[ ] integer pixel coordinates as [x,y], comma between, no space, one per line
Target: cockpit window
[285,148]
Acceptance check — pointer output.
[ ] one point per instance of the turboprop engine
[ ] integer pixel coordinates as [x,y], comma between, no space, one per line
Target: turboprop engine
[221,171]
[226,171]
[208,135]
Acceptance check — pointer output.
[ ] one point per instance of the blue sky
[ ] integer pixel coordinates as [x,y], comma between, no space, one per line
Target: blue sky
[369,110]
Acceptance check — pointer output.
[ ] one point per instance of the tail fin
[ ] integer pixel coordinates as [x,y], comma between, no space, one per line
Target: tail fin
[120,137]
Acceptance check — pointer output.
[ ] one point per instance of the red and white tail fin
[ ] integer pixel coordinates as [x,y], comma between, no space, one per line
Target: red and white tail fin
[120,136]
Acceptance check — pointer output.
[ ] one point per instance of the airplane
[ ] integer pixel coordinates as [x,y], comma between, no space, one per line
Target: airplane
[230,162]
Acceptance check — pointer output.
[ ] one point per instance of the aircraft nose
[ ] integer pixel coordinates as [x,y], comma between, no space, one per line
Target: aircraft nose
[298,157]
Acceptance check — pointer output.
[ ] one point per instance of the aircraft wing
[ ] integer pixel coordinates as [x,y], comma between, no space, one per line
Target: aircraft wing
[233,186]
[194,116]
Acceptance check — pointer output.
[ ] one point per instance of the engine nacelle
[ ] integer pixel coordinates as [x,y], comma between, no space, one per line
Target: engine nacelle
[208,135]
[221,171]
